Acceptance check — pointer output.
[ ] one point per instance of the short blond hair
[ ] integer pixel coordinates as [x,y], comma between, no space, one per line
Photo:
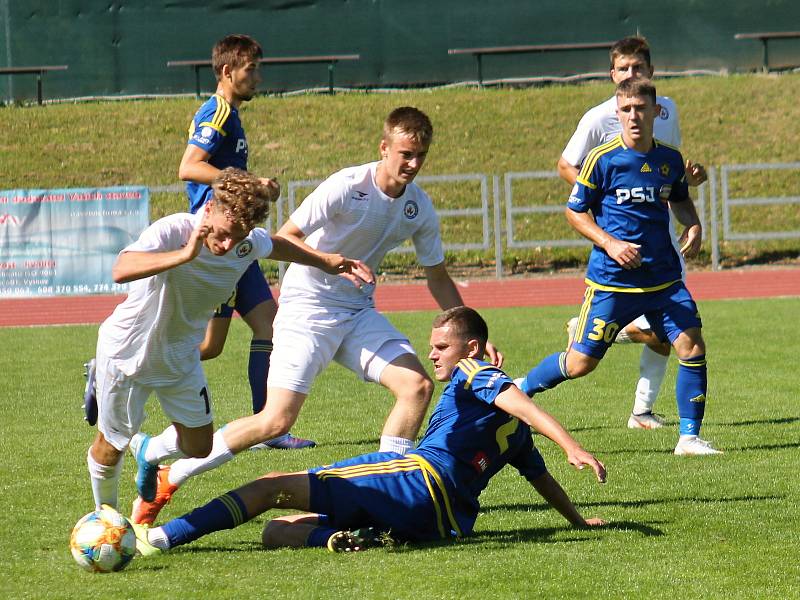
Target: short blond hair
[408,121]
[242,197]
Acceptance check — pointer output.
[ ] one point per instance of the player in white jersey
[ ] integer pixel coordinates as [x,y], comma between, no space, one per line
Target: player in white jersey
[366,210]
[181,268]
[630,58]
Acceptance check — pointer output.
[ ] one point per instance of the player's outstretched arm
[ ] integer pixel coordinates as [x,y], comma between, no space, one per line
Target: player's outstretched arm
[516,403]
[133,265]
[292,249]
[556,497]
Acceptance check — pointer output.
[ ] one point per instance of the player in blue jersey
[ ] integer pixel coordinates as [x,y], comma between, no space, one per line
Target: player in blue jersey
[217,140]
[481,423]
[629,184]
[630,58]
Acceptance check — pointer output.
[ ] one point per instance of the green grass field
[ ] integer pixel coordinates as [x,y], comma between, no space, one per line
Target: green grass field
[712,527]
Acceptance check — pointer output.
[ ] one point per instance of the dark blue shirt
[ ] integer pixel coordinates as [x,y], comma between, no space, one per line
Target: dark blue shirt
[469,440]
[627,192]
[216,128]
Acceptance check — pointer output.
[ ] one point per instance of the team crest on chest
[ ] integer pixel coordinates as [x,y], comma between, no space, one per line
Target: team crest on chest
[244,248]
[410,209]
[664,114]
[664,170]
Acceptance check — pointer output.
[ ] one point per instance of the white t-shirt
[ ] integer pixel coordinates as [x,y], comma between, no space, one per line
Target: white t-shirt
[348,214]
[600,124]
[155,332]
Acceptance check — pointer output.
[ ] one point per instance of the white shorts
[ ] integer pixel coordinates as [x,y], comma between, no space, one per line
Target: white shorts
[121,401]
[306,339]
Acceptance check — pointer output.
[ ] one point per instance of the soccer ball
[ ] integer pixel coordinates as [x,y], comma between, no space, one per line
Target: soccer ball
[103,541]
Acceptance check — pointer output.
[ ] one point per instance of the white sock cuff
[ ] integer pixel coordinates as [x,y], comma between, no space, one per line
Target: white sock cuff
[101,471]
[189,467]
[390,443]
[163,446]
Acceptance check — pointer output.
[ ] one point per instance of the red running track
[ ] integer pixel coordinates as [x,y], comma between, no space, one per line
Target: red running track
[533,291]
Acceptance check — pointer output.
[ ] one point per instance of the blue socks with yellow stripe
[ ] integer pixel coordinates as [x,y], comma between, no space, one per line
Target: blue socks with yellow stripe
[225,512]
[690,393]
[257,371]
[548,373]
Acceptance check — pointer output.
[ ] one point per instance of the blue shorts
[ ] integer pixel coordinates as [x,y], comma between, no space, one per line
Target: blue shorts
[251,290]
[383,489]
[603,314]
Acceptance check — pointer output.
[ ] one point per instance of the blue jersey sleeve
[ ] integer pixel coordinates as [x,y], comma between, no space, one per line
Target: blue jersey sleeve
[588,189]
[208,129]
[485,381]
[680,189]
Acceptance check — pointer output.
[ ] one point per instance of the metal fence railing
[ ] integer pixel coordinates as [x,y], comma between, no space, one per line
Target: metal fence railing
[498,207]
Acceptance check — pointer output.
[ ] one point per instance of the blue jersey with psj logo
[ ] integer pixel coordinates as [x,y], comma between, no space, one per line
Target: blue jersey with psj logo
[216,128]
[627,192]
[469,439]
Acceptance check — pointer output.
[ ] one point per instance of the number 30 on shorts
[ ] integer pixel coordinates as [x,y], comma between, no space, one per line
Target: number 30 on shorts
[603,331]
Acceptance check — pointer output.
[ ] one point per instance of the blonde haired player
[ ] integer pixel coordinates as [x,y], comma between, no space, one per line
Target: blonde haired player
[180,268]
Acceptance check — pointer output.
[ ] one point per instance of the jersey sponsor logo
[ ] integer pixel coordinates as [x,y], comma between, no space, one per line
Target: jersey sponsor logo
[636,194]
[645,169]
[664,114]
[410,210]
[573,195]
[241,144]
[480,461]
[664,191]
[664,170]
[244,248]
[493,380]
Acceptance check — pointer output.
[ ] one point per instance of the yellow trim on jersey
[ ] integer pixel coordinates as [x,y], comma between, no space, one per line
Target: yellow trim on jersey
[471,367]
[221,114]
[390,466]
[429,472]
[628,290]
[593,156]
[588,296]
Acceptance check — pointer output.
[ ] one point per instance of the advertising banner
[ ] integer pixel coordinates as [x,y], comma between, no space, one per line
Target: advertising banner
[65,241]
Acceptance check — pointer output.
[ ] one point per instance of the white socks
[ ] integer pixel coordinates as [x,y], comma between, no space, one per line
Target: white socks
[163,446]
[181,470]
[391,443]
[105,480]
[652,368]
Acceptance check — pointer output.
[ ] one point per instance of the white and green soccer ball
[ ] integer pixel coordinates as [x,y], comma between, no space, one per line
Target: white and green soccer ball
[103,541]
